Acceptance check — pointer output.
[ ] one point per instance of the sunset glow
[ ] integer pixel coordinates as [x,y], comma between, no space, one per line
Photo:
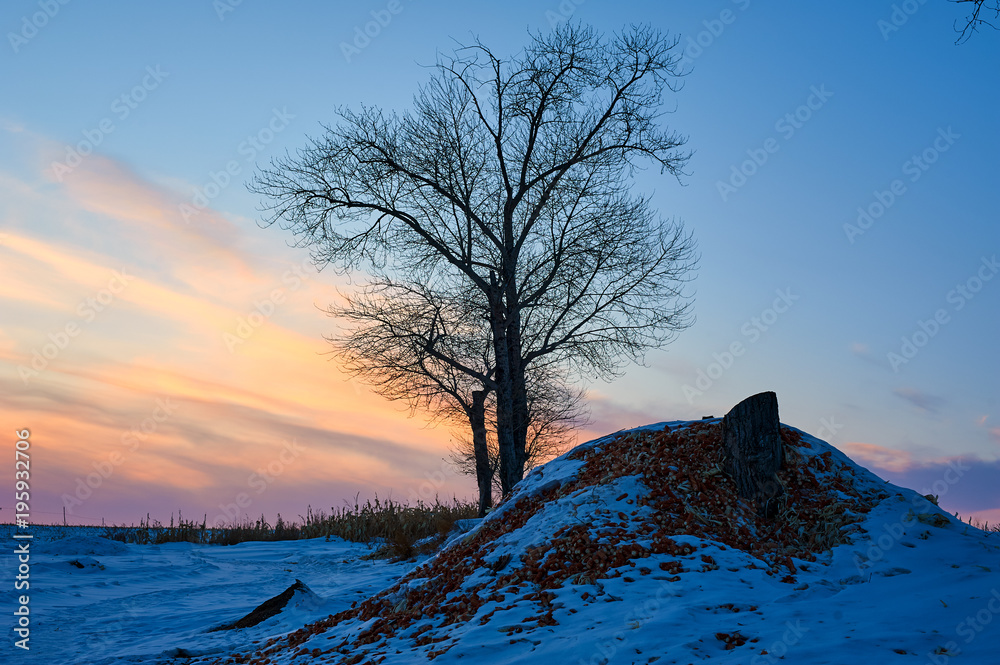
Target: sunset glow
[167,352]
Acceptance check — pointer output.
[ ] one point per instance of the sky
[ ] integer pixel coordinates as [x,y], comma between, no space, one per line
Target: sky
[167,353]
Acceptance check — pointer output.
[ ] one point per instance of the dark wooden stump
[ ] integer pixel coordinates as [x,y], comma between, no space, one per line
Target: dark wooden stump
[752,452]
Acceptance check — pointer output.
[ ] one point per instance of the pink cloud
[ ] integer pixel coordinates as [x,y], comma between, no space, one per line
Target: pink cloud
[964,484]
[984,518]
[109,187]
[881,457]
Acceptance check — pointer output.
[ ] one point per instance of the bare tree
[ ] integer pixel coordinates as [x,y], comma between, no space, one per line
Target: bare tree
[554,413]
[429,349]
[973,21]
[510,179]
[411,343]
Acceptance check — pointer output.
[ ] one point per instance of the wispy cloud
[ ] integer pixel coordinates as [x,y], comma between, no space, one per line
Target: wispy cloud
[926,402]
[607,415]
[879,457]
[863,351]
[108,187]
[963,483]
[163,337]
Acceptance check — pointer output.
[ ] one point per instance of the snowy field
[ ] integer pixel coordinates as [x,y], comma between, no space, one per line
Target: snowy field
[913,585]
[144,603]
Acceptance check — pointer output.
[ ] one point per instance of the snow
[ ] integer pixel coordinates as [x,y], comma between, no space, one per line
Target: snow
[143,603]
[907,584]
[81,544]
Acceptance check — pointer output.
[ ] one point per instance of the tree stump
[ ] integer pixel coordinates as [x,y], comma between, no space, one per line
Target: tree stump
[752,452]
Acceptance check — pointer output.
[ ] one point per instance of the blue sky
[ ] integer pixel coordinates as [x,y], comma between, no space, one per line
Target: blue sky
[798,116]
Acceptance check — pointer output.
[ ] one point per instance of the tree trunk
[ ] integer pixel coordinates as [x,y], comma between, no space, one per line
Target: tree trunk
[752,452]
[505,413]
[519,397]
[484,470]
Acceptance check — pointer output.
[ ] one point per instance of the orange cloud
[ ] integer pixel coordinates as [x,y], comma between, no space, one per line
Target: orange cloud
[231,337]
[889,459]
[270,355]
[7,345]
[20,280]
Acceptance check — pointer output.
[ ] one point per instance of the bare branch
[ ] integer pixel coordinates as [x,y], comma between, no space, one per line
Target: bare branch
[973,21]
[496,221]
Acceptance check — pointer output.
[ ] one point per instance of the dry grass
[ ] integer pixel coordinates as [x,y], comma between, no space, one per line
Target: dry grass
[982,526]
[396,530]
[399,529]
[153,532]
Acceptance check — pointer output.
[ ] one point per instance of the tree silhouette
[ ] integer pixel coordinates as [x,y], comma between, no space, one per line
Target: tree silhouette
[429,349]
[509,182]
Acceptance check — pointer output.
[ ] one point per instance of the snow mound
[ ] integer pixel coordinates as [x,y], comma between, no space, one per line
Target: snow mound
[82,545]
[640,538]
[296,598]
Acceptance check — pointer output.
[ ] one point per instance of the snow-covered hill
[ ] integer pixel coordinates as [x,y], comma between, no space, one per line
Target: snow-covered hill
[634,548]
